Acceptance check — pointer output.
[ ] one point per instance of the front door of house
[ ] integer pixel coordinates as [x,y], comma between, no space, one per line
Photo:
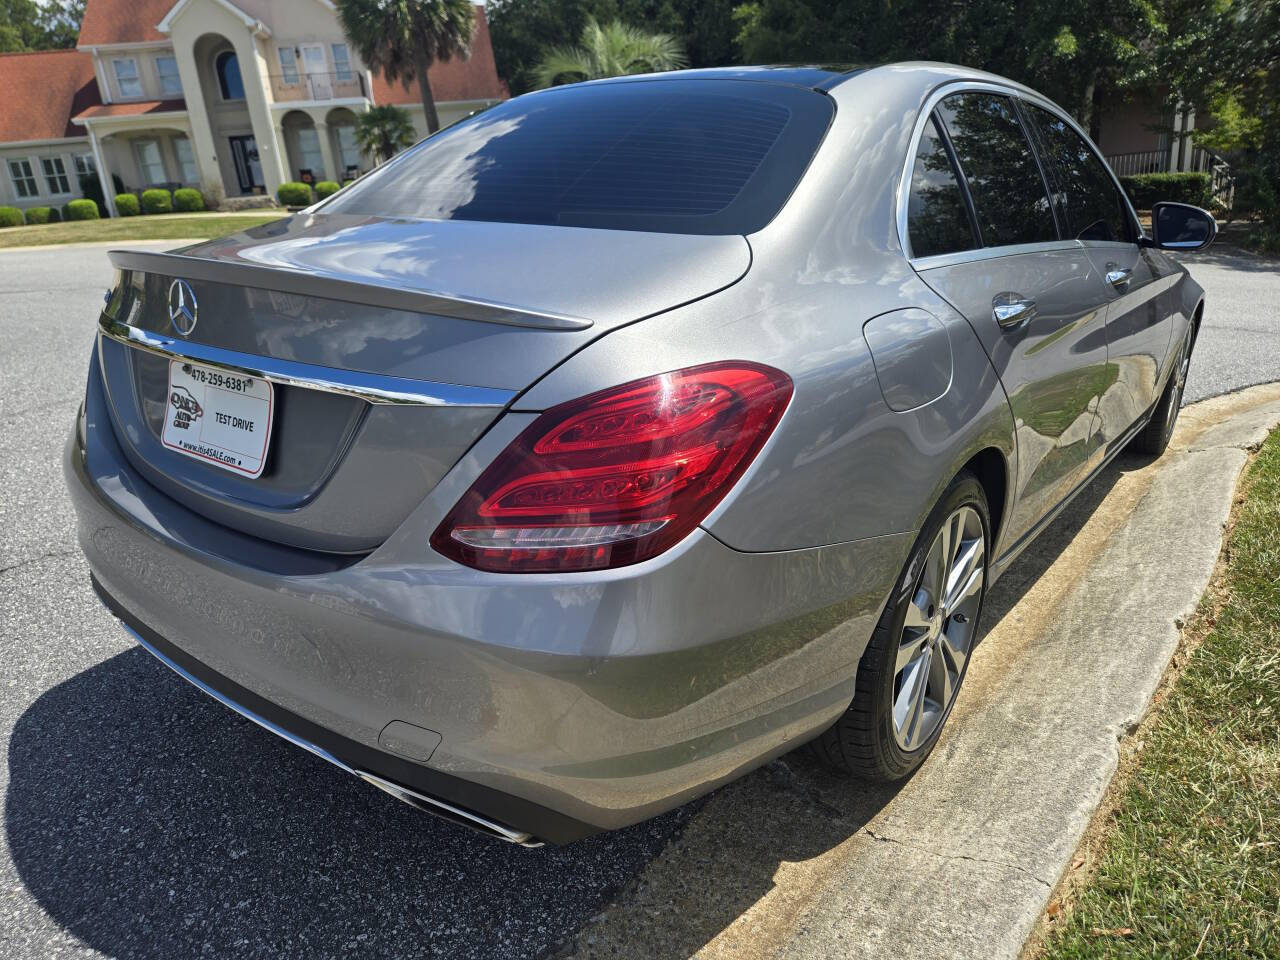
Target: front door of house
[316,68]
[244,152]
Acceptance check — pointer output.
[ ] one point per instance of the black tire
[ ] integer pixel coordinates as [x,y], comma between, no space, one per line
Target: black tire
[1155,436]
[863,741]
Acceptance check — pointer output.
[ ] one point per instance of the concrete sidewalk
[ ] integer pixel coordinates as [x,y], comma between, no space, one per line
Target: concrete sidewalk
[959,862]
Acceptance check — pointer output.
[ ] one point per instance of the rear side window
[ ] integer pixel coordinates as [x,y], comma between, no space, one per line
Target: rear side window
[1004,179]
[678,156]
[937,217]
[1086,193]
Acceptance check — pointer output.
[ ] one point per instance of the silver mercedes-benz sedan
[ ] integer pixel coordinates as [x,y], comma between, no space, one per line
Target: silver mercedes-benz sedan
[629,434]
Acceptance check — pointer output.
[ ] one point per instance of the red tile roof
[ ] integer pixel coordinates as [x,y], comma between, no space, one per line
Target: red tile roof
[123,21]
[42,91]
[475,78]
[133,108]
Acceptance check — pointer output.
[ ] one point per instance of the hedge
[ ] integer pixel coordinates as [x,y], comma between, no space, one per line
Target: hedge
[43,215]
[1144,189]
[294,194]
[82,210]
[10,217]
[187,200]
[156,200]
[326,188]
[126,205]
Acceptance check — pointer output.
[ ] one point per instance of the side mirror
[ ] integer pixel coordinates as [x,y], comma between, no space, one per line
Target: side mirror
[1180,226]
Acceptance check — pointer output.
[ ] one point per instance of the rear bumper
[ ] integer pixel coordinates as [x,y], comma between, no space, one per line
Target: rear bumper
[563,704]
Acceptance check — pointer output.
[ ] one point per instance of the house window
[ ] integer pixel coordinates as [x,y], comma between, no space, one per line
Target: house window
[341,63]
[150,162]
[289,64]
[309,156]
[24,179]
[348,147]
[170,82]
[186,159]
[85,165]
[55,175]
[227,66]
[127,77]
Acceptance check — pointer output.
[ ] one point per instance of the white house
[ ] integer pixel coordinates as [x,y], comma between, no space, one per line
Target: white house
[231,96]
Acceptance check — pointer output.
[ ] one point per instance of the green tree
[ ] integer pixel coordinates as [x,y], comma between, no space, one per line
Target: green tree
[384,131]
[1069,50]
[612,50]
[523,30]
[402,38]
[27,25]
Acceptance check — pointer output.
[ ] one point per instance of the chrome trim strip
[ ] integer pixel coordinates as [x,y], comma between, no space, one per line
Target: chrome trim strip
[1009,89]
[921,264]
[369,387]
[288,279]
[412,797]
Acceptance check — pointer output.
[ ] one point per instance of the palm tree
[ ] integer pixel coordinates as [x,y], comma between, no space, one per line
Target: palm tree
[402,38]
[613,50]
[383,131]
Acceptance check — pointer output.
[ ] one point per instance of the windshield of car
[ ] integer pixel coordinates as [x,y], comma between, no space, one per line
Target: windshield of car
[697,156]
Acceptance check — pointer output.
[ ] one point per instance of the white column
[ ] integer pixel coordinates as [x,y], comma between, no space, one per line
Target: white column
[104,176]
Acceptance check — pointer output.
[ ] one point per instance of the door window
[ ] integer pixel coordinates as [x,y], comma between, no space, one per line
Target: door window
[937,217]
[186,160]
[309,156]
[85,164]
[341,62]
[288,65]
[1087,196]
[348,147]
[150,162]
[1009,196]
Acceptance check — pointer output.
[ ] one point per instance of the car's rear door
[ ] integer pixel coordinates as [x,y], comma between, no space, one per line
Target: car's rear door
[1136,282]
[1050,350]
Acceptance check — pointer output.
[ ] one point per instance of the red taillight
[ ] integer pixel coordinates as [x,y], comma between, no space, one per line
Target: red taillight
[618,476]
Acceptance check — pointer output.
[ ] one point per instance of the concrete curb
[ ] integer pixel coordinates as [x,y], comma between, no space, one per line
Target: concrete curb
[960,861]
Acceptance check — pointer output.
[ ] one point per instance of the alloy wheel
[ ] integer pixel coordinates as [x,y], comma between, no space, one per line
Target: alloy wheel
[937,635]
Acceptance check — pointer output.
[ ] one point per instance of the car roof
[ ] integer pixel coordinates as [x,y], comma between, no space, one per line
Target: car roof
[820,76]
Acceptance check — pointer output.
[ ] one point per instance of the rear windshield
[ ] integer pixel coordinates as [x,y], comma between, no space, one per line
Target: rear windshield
[674,156]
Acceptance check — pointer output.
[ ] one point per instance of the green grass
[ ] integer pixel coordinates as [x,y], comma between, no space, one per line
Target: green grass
[172,226]
[1190,861]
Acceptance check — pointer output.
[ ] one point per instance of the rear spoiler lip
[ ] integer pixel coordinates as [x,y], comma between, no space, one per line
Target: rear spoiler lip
[329,287]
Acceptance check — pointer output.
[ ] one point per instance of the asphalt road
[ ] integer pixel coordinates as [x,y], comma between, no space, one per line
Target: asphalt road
[142,819]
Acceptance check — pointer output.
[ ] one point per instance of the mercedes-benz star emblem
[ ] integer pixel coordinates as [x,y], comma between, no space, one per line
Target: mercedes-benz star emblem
[182,307]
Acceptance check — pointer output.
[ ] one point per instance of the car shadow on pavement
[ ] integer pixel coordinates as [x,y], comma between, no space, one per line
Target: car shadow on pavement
[163,825]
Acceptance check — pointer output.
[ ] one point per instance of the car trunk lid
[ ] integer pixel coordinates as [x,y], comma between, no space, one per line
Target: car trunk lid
[391,346]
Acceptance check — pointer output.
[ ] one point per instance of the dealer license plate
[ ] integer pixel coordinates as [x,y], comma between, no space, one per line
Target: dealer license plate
[217,416]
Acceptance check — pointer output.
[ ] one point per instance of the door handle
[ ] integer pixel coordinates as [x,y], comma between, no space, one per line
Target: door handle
[1012,309]
[1118,276]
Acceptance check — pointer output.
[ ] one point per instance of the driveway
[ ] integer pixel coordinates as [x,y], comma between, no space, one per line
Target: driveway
[143,819]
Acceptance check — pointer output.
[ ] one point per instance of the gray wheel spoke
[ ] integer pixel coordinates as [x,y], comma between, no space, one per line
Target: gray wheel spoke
[918,612]
[908,650]
[910,703]
[940,678]
[952,653]
[965,575]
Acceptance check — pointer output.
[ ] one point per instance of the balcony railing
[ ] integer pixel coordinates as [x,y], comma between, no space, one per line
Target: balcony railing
[317,86]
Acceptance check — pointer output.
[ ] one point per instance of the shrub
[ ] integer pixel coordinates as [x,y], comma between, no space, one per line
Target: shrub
[294,194]
[348,182]
[186,199]
[326,188]
[126,205]
[82,210]
[156,200]
[1144,189]
[40,214]
[10,217]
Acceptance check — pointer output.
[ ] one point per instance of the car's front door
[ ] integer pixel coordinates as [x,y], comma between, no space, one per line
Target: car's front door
[1030,295]
[1136,282]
